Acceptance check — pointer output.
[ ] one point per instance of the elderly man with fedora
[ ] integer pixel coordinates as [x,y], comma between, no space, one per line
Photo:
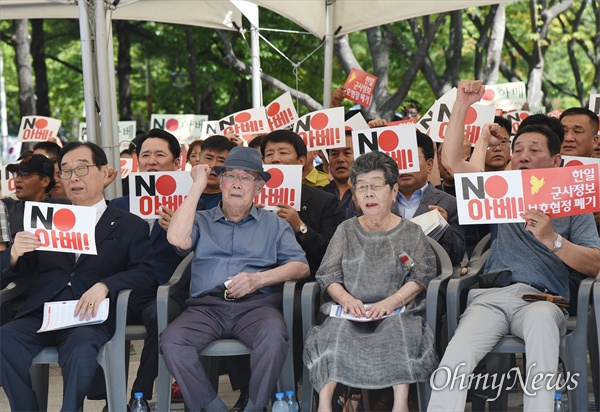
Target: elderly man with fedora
[254,252]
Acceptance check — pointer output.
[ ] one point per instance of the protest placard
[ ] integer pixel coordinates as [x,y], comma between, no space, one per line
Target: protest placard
[148,191]
[399,142]
[38,129]
[505,96]
[359,87]
[62,228]
[323,129]
[284,186]
[245,123]
[185,127]
[281,112]
[501,197]
[516,118]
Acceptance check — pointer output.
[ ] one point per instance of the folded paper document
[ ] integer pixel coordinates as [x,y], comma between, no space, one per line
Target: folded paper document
[337,311]
[59,315]
[432,223]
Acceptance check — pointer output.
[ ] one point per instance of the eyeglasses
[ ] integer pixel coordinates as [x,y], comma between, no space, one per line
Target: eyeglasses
[22,175]
[231,177]
[79,171]
[503,142]
[375,186]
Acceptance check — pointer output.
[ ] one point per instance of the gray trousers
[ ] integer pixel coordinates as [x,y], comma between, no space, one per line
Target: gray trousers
[257,321]
[491,314]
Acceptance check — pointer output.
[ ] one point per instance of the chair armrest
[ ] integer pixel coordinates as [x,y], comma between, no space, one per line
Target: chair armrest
[456,288]
[481,246]
[584,300]
[310,291]
[122,302]
[437,286]
[477,265]
[16,287]
[289,289]
[180,278]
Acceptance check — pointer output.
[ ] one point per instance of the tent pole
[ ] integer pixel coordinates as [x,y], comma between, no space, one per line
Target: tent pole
[104,71]
[328,69]
[256,82]
[115,144]
[87,62]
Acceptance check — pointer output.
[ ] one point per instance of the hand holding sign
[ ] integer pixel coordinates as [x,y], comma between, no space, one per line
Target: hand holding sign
[538,223]
[290,215]
[165,217]
[470,92]
[24,242]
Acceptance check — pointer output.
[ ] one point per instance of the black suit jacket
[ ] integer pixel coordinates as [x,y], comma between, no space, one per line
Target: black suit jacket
[318,210]
[453,239]
[124,261]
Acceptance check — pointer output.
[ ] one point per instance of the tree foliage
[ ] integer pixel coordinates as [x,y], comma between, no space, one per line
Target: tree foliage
[552,45]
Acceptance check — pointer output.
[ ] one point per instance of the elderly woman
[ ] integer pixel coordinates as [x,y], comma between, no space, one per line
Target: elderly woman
[365,264]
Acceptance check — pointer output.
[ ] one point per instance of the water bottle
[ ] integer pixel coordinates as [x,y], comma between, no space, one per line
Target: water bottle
[559,406]
[138,403]
[280,405]
[292,404]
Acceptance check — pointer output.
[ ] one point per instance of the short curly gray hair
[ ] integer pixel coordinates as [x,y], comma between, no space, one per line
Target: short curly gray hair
[372,161]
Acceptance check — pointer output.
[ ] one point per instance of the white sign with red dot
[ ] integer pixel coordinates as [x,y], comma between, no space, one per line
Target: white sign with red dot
[281,112]
[245,123]
[62,228]
[399,142]
[149,191]
[8,183]
[38,128]
[185,127]
[323,129]
[284,186]
[505,96]
[501,197]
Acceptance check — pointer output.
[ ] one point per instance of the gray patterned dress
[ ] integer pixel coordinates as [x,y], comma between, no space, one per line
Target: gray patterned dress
[383,353]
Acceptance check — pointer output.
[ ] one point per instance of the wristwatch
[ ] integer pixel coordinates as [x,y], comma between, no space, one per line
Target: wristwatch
[557,244]
[303,229]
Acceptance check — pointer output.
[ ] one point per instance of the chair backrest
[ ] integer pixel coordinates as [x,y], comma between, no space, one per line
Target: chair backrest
[444,264]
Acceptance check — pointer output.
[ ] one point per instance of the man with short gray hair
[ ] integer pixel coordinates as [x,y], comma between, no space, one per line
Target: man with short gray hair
[252,251]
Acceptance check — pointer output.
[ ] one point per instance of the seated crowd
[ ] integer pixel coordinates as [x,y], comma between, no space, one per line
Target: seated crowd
[352,234]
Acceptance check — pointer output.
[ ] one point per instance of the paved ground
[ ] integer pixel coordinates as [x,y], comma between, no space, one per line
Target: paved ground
[228,396]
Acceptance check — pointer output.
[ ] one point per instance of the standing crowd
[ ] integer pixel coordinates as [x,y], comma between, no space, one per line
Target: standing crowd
[352,234]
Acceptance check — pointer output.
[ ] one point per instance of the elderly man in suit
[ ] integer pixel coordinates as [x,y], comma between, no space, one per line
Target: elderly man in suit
[417,196]
[123,261]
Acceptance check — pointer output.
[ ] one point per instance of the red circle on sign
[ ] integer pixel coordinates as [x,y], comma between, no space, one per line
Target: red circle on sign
[388,140]
[496,187]
[166,185]
[172,125]
[523,116]
[276,178]
[243,117]
[489,94]
[273,109]
[64,219]
[319,121]
[471,116]
[574,163]
[41,123]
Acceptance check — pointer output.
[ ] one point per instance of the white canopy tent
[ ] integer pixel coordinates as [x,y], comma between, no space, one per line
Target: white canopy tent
[323,18]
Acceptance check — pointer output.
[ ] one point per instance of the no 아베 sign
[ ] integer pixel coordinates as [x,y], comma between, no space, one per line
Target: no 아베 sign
[399,142]
[62,228]
[501,197]
[285,186]
[149,191]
